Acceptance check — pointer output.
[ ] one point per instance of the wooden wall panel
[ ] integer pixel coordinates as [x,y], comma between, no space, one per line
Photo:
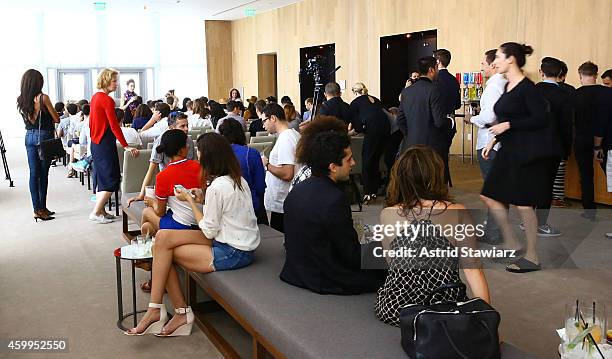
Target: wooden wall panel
[573,30]
[219,58]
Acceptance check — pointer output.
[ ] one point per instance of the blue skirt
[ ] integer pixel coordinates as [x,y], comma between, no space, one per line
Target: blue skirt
[106,162]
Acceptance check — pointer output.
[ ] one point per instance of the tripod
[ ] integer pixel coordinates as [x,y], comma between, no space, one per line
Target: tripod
[316,98]
[7,172]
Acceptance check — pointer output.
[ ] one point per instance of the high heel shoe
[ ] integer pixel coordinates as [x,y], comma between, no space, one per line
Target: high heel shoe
[184,329]
[42,215]
[155,327]
[49,213]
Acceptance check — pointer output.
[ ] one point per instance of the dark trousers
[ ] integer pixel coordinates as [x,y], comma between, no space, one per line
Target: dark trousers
[260,213]
[39,169]
[392,148]
[543,211]
[373,147]
[584,159]
[492,230]
[277,221]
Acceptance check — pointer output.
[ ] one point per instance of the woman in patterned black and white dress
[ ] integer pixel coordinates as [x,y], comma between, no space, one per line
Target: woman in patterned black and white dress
[418,195]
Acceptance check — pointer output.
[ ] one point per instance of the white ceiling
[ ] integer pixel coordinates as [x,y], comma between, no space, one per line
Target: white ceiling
[205,9]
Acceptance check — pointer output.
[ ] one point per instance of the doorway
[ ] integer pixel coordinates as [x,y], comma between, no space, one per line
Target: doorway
[328,64]
[266,76]
[398,58]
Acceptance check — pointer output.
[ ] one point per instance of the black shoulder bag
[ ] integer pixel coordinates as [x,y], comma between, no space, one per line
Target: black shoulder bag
[48,150]
[462,330]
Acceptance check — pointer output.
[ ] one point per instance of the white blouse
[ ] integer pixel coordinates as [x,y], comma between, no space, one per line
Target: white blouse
[229,216]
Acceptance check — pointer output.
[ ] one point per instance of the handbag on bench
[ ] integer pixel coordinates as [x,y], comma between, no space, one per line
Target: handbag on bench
[451,330]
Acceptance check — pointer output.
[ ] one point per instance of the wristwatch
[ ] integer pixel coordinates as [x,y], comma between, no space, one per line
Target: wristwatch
[267,164]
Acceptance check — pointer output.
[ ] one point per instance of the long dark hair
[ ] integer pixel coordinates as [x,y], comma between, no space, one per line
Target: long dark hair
[31,86]
[218,159]
[519,51]
[416,176]
[232,130]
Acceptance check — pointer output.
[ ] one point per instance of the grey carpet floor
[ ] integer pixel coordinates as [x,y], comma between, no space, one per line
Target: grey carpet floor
[57,278]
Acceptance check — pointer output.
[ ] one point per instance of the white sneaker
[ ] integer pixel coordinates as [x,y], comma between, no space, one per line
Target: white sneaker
[99,219]
[110,216]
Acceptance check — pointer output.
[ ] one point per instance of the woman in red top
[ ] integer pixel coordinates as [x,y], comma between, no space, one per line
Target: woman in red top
[105,130]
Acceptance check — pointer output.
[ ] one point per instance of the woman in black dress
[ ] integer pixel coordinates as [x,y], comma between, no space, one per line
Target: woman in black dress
[521,173]
[368,116]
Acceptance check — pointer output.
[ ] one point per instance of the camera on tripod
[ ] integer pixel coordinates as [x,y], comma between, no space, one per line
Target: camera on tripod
[314,66]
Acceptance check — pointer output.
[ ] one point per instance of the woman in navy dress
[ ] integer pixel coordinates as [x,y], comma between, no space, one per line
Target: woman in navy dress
[105,131]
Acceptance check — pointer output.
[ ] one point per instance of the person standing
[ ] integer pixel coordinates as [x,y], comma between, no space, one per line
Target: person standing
[558,112]
[105,130]
[587,104]
[521,173]
[421,117]
[39,117]
[495,84]
[334,104]
[129,101]
[368,114]
[282,166]
[450,95]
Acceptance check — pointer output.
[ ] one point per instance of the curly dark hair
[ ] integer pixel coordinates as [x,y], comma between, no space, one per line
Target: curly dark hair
[326,148]
[321,124]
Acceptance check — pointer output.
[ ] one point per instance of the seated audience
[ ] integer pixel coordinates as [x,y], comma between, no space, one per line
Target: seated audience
[185,107]
[292,117]
[233,111]
[64,127]
[216,112]
[226,240]
[142,115]
[256,125]
[606,78]
[201,115]
[307,114]
[271,99]
[131,135]
[160,160]
[418,193]
[157,124]
[282,166]
[59,108]
[308,133]
[323,253]
[165,211]
[250,164]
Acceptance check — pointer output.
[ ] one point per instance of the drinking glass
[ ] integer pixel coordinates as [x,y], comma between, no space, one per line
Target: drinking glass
[585,316]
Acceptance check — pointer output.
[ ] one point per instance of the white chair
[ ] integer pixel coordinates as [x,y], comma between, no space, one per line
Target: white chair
[264,148]
[262,133]
[260,139]
[134,171]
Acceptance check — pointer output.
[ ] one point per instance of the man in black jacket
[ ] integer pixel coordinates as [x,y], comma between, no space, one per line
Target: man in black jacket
[323,251]
[587,103]
[558,111]
[450,95]
[335,106]
[422,118]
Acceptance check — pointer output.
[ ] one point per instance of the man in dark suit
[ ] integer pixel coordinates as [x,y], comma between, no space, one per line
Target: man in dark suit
[421,117]
[323,253]
[335,106]
[450,92]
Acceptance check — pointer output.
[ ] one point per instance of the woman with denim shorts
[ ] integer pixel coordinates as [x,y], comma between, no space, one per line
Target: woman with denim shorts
[39,117]
[227,238]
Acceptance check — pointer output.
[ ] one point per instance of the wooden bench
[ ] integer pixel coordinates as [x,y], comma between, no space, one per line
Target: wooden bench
[289,322]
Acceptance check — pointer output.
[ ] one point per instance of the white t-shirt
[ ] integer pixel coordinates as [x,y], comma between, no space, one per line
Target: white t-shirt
[85,136]
[64,126]
[229,216]
[155,131]
[131,136]
[196,121]
[283,153]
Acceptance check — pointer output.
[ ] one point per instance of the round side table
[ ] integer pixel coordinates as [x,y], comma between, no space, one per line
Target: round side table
[128,253]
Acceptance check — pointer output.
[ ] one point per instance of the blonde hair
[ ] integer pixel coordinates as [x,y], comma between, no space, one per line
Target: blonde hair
[360,89]
[105,77]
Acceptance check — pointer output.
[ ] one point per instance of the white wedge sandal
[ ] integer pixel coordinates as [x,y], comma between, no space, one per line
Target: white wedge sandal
[155,327]
[184,329]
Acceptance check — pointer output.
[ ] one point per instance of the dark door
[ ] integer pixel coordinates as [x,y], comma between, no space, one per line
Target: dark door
[328,64]
[398,59]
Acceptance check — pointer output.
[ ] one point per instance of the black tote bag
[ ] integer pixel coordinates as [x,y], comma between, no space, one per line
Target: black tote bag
[462,330]
[50,149]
